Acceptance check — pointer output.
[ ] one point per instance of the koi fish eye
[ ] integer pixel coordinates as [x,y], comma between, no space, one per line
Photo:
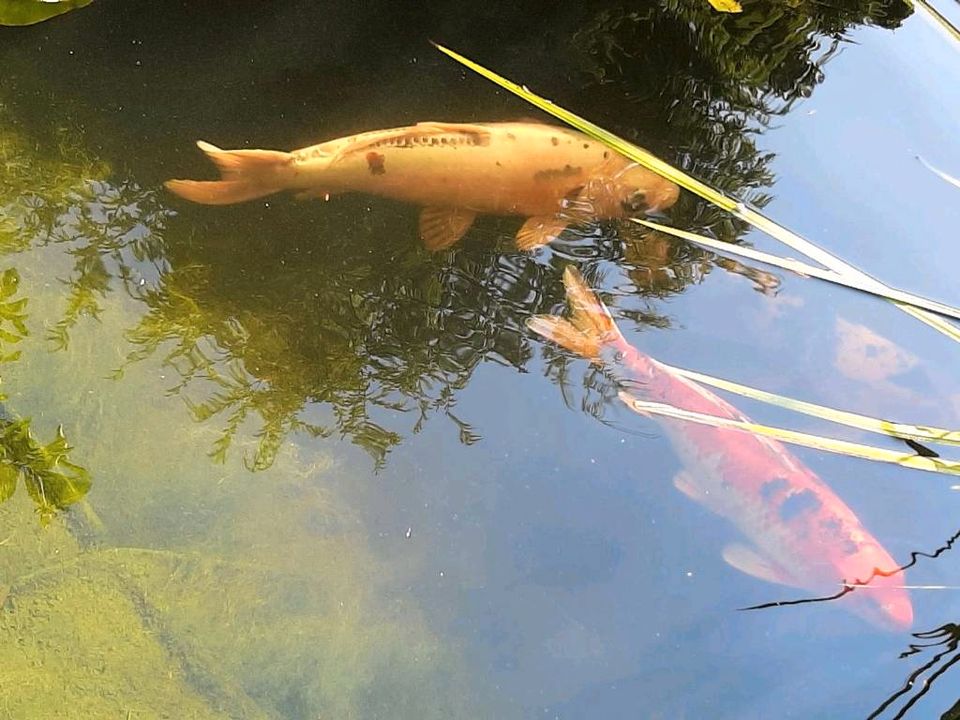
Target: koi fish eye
[636,202]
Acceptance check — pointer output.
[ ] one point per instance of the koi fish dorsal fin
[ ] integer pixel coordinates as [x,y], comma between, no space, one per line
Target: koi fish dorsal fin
[442,227]
[444,127]
[429,133]
[538,231]
[749,561]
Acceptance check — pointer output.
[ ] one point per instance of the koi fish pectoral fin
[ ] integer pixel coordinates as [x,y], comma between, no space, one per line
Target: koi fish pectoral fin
[442,227]
[684,482]
[538,231]
[749,561]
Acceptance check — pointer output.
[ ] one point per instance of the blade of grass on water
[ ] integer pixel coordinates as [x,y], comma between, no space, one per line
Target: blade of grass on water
[934,16]
[816,442]
[906,431]
[939,173]
[652,162]
[803,269]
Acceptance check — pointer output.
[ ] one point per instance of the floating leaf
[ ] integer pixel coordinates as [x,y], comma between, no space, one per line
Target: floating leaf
[726,6]
[739,209]
[30,12]
[816,442]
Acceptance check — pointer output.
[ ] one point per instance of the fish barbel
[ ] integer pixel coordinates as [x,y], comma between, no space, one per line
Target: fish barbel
[550,175]
[800,532]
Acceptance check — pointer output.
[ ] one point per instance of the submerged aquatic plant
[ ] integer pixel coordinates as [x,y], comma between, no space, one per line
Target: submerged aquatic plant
[52,481]
[13,316]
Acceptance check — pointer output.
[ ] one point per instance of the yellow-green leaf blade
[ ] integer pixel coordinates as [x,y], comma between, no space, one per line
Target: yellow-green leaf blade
[816,442]
[30,12]
[726,6]
[900,297]
[906,431]
[721,200]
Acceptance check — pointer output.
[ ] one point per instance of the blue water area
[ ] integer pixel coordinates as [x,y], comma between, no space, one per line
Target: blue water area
[277,460]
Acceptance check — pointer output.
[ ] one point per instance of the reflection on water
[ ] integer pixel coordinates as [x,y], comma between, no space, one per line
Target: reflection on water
[946,642]
[509,558]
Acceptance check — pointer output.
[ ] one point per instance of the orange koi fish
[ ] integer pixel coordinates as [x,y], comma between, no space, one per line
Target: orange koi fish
[550,175]
[800,532]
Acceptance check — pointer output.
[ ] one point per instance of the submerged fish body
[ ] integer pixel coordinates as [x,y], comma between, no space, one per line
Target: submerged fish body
[800,532]
[551,175]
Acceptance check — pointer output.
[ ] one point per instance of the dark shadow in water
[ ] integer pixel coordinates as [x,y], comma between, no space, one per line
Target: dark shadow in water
[921,681]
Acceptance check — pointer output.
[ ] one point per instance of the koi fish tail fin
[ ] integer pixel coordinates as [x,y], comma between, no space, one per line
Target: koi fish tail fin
[590,326]
[247,175]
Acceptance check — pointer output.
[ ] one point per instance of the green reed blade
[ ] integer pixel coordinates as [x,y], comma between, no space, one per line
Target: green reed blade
[816,442]
[739,209]
[801,268]
[920,433]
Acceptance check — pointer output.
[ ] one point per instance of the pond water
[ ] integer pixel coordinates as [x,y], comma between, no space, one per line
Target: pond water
[315,471]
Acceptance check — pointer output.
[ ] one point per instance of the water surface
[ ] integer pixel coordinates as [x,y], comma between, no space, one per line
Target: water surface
[322,473]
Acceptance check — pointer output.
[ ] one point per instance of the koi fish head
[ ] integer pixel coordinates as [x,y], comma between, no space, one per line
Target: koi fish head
[627,192]
[643,191]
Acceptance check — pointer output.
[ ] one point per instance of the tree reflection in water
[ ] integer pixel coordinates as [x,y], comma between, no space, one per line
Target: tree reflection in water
[945,640]
[284,318]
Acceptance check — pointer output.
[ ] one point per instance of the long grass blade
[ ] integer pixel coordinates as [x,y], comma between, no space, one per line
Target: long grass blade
[816,442]
[935,17]
[652,162]
[941,325]
[905,431]
[801,268]
[939,173]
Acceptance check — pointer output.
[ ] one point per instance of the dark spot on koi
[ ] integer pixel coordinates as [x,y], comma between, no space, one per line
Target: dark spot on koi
[554,173]
[554,141]
[375,163]
[833,533]
[797,504]
[773,487]
[498,164]
[606,154]
[586,146]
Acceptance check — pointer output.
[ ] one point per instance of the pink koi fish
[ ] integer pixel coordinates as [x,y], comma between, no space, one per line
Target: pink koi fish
[800,532]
